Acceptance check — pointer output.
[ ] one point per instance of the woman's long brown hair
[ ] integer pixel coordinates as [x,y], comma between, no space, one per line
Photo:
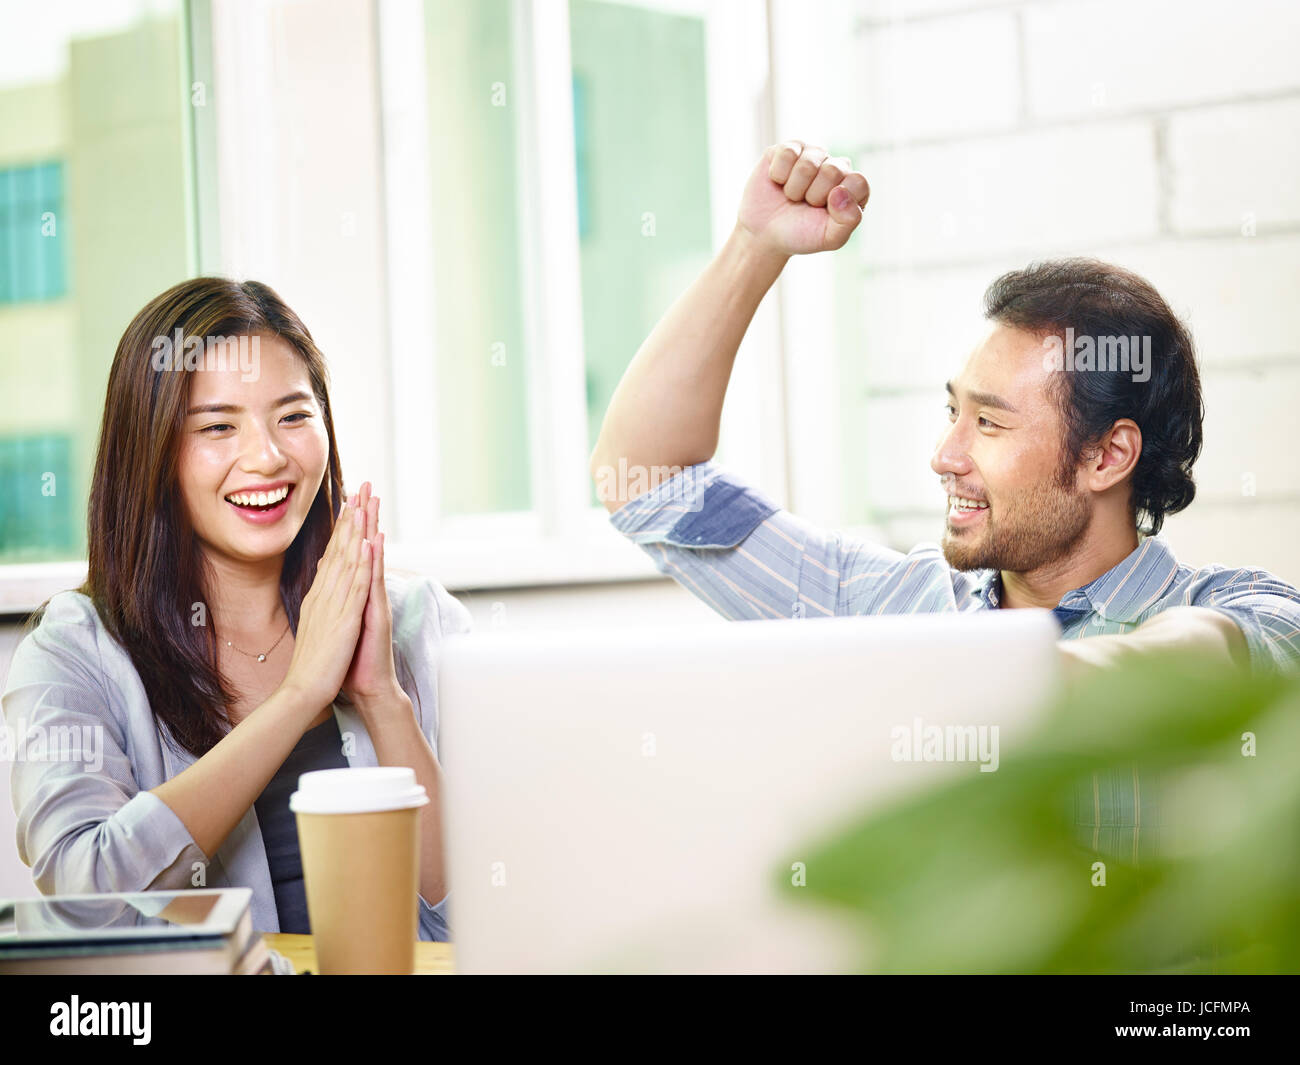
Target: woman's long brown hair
[147,574]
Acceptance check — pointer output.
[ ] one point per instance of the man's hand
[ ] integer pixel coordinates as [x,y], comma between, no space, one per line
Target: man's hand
[798,200]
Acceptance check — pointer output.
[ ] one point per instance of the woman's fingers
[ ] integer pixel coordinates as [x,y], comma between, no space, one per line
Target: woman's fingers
[340,528]
[351,550]
[325,564]
[348,555]
[378,589]
[376,539]
[361,579]
[369,504]
[333,612]
[342,567]
[334,535]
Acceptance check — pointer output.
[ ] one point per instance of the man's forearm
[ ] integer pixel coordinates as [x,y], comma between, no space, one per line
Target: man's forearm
[1194,629]
[667,409]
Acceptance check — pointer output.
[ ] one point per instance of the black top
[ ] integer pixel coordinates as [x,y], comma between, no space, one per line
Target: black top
[320,748]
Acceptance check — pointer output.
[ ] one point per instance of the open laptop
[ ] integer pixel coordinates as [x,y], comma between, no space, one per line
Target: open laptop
[620,800]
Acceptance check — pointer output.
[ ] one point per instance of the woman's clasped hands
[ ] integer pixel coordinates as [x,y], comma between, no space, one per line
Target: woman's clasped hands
[344,640]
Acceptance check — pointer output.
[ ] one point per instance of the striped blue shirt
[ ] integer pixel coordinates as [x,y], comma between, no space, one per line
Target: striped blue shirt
[737,551]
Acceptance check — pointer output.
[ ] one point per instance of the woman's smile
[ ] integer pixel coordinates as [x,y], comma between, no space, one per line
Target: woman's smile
[261,504]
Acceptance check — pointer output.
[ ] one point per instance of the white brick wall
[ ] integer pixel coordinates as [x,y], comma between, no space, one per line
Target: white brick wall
[871,11]
[1238,294]
[918,326]
[1251,533]
[1248,416]
[1232,162]
[1084,57]
[971,199]
[896,66]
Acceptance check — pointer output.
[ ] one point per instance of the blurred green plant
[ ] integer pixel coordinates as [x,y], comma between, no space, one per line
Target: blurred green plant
[990,875]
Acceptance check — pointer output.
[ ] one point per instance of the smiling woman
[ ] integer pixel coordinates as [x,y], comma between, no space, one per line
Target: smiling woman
[162,546]
[236,627]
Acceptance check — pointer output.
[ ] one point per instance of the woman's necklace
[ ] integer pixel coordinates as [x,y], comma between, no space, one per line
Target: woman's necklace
[262,656]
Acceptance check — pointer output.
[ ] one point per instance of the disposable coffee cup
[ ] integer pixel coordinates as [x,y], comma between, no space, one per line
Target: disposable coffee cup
[359,835]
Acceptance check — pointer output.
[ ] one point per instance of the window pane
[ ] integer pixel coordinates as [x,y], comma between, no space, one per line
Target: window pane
[480,342]
[641,139]
[93,182]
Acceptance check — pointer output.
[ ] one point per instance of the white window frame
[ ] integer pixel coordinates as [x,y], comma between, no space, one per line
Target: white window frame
[563,539]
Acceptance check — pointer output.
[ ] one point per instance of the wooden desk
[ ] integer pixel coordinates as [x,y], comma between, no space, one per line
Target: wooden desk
[431,959]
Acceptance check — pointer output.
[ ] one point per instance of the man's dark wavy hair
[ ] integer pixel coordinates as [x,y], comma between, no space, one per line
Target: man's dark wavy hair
[1099,299]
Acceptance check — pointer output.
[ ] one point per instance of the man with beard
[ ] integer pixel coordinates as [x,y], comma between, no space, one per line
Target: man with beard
[1064,451]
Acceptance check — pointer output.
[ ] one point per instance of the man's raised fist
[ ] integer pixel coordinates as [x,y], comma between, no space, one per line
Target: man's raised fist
[799,200]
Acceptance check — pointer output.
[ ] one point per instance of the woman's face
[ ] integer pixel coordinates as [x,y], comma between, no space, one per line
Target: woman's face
[253,453]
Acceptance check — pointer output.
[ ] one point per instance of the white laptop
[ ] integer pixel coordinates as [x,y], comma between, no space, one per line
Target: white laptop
[624,799]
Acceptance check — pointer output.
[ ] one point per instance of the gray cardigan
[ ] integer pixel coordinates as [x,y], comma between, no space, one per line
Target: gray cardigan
[87,821]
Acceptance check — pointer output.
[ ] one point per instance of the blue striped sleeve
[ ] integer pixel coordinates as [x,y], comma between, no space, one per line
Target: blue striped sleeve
[1265,608]
[746,558]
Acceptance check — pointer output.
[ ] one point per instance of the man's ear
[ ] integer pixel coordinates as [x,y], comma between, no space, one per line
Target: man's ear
[1114,457]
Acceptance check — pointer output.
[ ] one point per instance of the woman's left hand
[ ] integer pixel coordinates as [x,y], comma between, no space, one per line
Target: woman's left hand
[371,679]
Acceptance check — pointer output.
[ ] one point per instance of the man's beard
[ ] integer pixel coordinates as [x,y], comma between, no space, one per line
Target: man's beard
[1042,526]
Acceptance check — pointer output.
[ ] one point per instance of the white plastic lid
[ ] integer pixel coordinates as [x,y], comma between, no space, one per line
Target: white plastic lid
[357,790]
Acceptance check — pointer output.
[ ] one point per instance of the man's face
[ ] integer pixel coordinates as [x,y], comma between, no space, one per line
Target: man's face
[1003,452]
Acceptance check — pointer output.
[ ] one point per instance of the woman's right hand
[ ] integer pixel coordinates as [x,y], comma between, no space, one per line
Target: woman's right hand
[329,622]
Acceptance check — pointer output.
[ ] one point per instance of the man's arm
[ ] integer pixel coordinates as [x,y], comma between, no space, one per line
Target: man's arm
[1198,630]
[667,409]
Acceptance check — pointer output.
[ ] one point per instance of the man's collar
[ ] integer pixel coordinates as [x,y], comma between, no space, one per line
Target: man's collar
[1123,593]
[989,588]
[1126,591]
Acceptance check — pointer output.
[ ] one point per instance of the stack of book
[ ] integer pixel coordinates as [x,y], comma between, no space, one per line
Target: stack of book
[205,931]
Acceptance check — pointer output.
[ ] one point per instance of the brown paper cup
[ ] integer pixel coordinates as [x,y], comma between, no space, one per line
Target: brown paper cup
[361,872]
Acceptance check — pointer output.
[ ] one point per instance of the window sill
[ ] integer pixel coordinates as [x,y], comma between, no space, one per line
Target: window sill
[459,563]
[26,585]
